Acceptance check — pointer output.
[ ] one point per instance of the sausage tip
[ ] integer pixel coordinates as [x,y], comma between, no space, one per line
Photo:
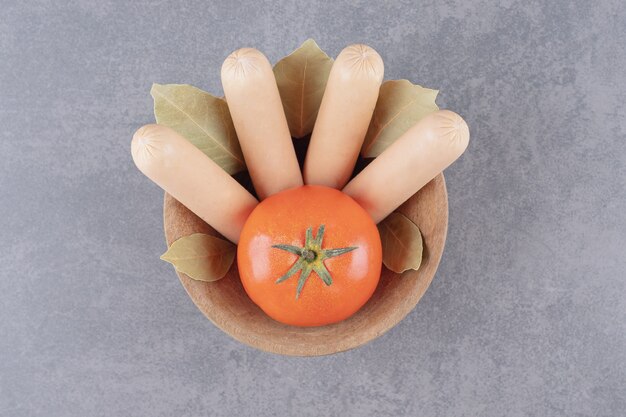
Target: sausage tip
[453,128]
[243,63]
[146,145]
[362,60]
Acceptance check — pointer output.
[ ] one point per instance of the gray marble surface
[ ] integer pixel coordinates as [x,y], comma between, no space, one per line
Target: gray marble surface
[526,315]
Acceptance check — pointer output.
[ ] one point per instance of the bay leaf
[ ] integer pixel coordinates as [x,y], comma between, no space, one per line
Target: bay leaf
[202,119]
[301,78]
[400,105]
[201,257]
[402,243]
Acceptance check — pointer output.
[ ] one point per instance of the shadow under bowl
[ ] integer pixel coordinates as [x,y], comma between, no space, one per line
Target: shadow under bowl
[227,305]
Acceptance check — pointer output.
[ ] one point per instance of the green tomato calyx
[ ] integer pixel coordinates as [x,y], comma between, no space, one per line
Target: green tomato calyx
[311,258]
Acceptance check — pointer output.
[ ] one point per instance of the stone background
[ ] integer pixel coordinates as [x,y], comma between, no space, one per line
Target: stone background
[527,313]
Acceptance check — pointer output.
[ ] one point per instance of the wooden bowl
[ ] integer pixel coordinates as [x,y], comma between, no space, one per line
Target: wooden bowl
[227,305]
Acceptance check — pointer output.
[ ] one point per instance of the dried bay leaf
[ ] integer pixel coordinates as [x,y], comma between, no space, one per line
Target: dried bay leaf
[201,257]
[301,78]
[202,119]
[400,105]
[402,243]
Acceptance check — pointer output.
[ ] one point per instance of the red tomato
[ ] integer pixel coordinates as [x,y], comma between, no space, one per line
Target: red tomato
[309,256]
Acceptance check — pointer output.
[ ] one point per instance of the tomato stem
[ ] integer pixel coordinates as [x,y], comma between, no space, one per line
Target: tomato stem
[311,257]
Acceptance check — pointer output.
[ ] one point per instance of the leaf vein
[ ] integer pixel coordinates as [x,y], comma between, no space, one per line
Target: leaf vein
[173,104]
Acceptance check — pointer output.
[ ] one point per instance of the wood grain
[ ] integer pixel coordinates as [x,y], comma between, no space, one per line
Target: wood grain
[227,305]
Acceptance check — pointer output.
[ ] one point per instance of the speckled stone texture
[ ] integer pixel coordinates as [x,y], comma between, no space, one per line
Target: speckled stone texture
[526,315]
